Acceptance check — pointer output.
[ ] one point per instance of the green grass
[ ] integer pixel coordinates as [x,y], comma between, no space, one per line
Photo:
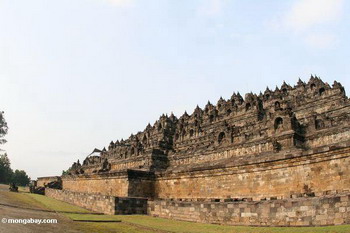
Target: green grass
[112,228]
[143,223]
[182,226]
[23,189]
[56,205]
[22,199]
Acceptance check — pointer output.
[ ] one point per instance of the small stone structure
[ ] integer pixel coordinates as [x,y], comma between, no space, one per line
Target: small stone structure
[13,187]
[275,158]
[49,181]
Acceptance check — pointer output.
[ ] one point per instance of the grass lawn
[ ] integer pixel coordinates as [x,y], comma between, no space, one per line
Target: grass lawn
[56,205]
[143,223]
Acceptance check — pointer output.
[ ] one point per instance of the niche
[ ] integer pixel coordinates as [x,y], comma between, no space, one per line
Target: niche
[211,118]
[321,91]
[144,140]
[278,123]
[319,124]
[277,106]
[191,133]
[248,106]
[221,137]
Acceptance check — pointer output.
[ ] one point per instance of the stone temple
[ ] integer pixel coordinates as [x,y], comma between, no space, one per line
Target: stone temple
[278,158]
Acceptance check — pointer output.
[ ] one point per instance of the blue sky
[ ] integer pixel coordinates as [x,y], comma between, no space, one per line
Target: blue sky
[75,75]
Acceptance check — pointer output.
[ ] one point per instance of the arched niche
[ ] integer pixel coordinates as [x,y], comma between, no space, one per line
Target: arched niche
[191,132]
[278,123]
[321,91]
[277,105]
[248,106]
[221,137]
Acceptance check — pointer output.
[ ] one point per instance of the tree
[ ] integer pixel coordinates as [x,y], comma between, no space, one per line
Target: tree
[3,128]
[5,169]
[20,178]
[6,173]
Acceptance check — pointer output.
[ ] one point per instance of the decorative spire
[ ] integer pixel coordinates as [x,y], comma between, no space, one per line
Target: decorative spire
[300,82]
[285,85]
[233,95]
[208,104]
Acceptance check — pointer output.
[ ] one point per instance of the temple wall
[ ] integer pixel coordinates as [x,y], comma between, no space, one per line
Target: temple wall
[327,139]
[100,203]
[42,181]
[315,211]
[314,174]
[141,188]
[127,184]
[113,186]
[310,211]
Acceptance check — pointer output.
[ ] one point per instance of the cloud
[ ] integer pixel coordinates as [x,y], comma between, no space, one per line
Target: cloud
[321,41]
[210,8]
[305,14]
[311,21]
[120,3]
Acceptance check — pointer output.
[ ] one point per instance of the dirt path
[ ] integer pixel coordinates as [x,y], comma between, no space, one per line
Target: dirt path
[8,211]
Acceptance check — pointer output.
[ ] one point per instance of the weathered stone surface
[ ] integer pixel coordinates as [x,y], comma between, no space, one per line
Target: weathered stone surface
[44,181]
[100,203]
[129,183]
[259,213]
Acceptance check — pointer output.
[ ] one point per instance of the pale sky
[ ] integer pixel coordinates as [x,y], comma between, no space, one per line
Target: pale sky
[77,74]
